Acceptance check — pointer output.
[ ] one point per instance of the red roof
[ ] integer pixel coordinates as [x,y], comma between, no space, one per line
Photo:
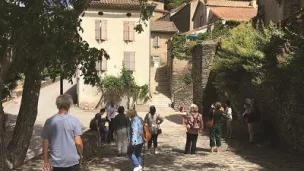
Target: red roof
[230,13]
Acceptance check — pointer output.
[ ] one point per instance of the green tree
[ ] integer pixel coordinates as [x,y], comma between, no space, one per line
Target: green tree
[123,86]
[41,38]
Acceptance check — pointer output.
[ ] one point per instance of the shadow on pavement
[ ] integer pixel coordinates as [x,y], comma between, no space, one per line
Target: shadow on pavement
[175,118]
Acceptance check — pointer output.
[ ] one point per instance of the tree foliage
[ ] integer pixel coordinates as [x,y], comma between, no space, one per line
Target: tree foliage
[181,47]
[123,86]
[40,39]
[242,51]
[267,64]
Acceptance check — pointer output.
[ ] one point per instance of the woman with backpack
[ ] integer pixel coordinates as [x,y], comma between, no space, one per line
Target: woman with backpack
[136,140]
[194,124]
[215,126]
[153,120]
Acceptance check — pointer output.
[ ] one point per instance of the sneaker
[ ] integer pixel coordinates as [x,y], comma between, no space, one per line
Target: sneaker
[138,168]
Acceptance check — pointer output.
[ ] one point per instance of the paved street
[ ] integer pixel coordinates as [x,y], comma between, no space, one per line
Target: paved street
[237,156]
[46,109]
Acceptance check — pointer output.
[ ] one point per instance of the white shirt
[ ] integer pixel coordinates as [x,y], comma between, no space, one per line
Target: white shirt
[110,112]
[228,112]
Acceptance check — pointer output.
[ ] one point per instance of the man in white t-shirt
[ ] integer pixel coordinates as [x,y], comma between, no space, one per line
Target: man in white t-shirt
[110,117]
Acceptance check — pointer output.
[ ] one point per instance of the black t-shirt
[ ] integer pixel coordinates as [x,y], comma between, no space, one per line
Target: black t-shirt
[217,116]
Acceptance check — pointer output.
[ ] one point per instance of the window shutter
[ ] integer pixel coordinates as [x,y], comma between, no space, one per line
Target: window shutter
[103,30]
[158,41]
[98,65]
[104,64]
[127,60]
[155,41]
[97,30]
[131,31]
[125,31]
[132,61]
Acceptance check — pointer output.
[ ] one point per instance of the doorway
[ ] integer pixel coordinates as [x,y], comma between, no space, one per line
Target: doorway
[156,61]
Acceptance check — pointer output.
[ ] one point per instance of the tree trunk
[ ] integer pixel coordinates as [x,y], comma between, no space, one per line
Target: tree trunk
[26,118]
[3,163]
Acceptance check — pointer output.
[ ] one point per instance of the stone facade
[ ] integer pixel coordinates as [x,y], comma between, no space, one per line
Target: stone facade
[181,93]
[202,55]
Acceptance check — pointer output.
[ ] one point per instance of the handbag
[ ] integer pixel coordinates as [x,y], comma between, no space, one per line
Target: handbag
[159,130]
[210,123]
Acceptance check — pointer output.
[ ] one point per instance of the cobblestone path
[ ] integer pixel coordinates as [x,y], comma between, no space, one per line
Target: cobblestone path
[237,156]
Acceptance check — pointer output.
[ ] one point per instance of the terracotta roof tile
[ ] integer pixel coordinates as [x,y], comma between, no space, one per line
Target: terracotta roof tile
[163,26]
[115,4]
[227,3]
[230,13]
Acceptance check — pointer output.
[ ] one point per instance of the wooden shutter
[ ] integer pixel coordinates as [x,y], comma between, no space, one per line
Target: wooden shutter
[97,29]
[103,30]
[155,41]
[127,60]
[125,31]
[158,41]
[98,65]
[132,61]
[131,31]
[104,64]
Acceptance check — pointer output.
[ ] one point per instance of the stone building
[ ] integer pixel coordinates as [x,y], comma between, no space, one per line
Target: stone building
[208,11]
[278,10]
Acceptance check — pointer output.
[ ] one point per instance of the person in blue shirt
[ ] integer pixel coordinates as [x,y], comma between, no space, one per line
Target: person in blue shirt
[136,141]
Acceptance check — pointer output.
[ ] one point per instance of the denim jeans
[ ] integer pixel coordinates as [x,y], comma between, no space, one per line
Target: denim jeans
[134,152]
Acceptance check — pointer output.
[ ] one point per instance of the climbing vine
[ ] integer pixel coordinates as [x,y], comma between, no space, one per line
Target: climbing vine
[116,88]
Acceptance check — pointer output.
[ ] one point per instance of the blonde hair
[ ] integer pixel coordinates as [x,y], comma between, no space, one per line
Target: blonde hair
[131,112]
[193,108]
[218,105]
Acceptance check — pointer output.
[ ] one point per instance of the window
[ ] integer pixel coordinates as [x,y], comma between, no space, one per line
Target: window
[156,42]
[129,61]
[100,30]
[101,65]
[128,31]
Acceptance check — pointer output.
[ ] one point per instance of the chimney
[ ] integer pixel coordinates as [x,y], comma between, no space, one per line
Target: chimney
[253,3]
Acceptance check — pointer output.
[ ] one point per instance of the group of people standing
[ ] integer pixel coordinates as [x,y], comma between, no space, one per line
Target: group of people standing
[128,130]
[194,125]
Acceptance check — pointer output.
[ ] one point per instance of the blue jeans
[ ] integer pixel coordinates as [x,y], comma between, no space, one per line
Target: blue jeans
[134,152]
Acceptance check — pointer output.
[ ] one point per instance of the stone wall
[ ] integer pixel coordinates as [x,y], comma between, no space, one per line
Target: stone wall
[180,91]
[89,139]
[202,58]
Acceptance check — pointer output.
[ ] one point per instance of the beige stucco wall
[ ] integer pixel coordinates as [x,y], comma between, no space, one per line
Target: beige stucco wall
[156,15]
[115,46]
[162,50]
